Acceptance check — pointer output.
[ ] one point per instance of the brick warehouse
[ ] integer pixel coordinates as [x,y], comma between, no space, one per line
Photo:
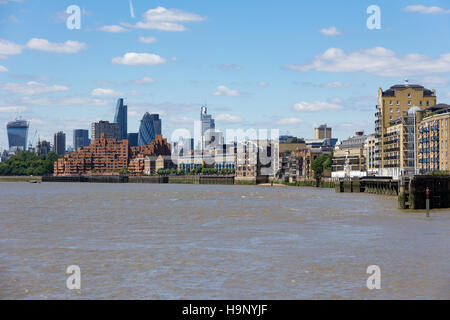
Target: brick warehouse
[108,156]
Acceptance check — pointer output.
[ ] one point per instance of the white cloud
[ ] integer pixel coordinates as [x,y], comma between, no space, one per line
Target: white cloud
[13,109]
[7,1]
[139,59]
[144,80]
[68,101]
[263,84]
[426,10]
[8,47]
[335,84]
[224,91]
[228,118]
[378,61]
[3,69]
[31,88]
[435,82]
[164,19]
[331,31]
[230,67]
[147,39]
[65,47]
[101,92]
[289,121]
[317,106]
[113,29]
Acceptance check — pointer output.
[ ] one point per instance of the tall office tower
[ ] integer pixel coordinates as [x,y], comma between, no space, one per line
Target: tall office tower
[322,132]
[43,147]
[150,127]
[208,129]
[207,120]
[17,135]
[80,138]
[133,139]
[59,143]
[392,105]
[121,118]
[111,130]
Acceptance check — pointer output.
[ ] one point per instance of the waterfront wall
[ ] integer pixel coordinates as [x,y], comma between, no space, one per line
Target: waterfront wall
[410,190]
[20,178]
[143,179]
[413,192]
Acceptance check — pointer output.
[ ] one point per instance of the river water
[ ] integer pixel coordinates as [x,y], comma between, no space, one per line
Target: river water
[144,241]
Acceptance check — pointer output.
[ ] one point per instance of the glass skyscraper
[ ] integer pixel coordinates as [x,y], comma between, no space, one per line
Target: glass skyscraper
[17,135]
[80,138]
[133,139]
[59,143]
[121,118]
[207,121]
[150,127]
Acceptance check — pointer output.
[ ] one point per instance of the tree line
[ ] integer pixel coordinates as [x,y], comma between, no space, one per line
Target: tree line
[27,163]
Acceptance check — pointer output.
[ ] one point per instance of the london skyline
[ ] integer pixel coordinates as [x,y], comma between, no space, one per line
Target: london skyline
[291,67]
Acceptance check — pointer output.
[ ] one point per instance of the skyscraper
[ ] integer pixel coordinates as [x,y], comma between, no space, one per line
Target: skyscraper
[80,138]
[59,143]
[209,136]
[111,130]
[133,139]
[17,135]
[207,120]
[150,127]
[121,118]
[322,132]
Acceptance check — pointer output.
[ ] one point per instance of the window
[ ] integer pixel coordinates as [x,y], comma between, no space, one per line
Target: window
[398,102]
[390,118]
[409,95]
[420,103]
[428,103]
[390,110]
[390,102]
[409,103]
[398,110]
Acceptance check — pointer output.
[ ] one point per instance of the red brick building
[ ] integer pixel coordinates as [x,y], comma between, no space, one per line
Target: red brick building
[109,156]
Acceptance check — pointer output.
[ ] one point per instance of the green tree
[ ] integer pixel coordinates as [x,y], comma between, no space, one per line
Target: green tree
[319,164]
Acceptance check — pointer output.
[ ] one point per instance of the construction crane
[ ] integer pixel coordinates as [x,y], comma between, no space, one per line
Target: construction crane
[30,146]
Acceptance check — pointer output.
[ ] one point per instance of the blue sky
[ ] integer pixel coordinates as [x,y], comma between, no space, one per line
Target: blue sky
[289,65]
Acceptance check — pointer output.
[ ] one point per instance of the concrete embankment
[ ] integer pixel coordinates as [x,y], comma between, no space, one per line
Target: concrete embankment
[143,179]
[410,190]
[20,178]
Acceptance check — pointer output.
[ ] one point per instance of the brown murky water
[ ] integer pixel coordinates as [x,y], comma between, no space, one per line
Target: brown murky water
[137,241]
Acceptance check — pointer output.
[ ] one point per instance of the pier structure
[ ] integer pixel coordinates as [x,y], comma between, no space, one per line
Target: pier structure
[410,190]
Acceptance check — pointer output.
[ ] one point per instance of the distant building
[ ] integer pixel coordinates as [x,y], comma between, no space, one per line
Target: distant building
[349,158]
[256,161]
[393,104]
[371,149]
[110,130]
[322,132]
[43,147]
[206,120]
[109,156]
[80,138]
[150,127]
[183,147]
[433,153]
[121,118]
[59,143]
[319,143]
[133,139]
[17,135]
